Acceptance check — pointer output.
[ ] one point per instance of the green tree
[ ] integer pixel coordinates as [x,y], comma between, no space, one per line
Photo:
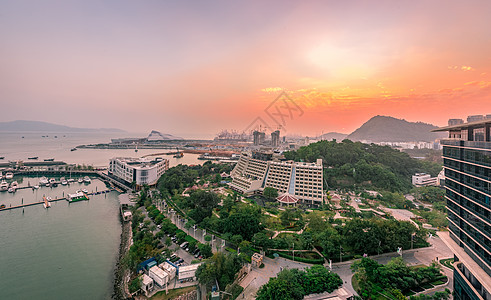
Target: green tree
[219,268]
[202,203]
[270,193]
[244,221]
[205,250]
[135,284]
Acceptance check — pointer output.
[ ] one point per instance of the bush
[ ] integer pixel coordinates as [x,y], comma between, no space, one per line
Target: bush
[319,261]
[135,285]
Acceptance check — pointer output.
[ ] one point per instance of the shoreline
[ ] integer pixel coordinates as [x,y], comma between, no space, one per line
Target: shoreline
[120,288]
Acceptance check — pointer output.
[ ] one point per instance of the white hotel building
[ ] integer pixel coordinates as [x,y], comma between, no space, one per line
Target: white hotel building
[255,171]
[139,170]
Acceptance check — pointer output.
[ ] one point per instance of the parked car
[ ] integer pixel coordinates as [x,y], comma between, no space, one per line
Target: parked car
[184,245]
[197,254]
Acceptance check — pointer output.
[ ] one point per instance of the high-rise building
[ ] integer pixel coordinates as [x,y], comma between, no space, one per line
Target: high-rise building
[259,137]
[256,170]
[467,164]
[275,138]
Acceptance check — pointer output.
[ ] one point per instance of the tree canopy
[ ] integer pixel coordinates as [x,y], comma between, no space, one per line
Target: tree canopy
[357,163]
[295,284]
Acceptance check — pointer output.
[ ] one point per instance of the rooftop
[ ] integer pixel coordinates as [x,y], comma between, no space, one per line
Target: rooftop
[158,271]
[139,162]
[479,123]
[287,198]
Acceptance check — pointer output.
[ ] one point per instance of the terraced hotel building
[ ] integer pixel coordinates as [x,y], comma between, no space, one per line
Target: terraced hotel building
[467,164]
[256,170]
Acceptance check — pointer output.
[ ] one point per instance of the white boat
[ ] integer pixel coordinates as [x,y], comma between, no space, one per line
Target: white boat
[80,180]
[43,181]
[14,184]
[4,186]
[52,180]
[35,187]
[11,190]
[87,179]
[63,181]
[71,180]
[9,175]
[85,191]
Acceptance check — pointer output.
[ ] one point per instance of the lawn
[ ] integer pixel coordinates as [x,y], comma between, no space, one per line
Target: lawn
[172,293]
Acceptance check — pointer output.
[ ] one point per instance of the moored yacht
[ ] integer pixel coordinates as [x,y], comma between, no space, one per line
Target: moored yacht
[43,181]
[4,186]
[87,179]
[80,180]
[63,181]
[9,175]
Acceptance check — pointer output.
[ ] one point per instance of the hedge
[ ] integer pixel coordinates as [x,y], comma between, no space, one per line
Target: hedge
[319,261]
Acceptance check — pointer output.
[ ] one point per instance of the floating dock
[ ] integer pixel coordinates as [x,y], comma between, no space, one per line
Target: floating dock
[47,203]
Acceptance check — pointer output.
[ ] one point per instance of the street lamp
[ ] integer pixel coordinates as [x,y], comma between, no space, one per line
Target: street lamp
[293,251]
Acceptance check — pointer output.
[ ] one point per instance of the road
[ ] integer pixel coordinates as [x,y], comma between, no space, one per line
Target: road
[257,277]
[411,257]
[198,233]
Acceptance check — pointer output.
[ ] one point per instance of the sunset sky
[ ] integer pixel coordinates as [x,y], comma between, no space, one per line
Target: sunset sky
[193,68]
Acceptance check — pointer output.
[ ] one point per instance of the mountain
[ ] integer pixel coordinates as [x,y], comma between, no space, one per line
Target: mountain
[389,129]
[156,136]
[22,126]
[333,135]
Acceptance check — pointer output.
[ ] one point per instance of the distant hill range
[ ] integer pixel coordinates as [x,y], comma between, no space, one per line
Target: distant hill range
[26,126]
[389,129]
[156,136]
[333,136]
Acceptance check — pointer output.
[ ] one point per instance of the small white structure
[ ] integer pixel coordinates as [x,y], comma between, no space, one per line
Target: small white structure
[127,216]
[147,284]
[188,272]
[423,179]
[159,276]
[169,269]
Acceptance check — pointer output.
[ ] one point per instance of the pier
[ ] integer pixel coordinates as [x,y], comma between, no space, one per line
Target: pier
[47,202]
[118,184]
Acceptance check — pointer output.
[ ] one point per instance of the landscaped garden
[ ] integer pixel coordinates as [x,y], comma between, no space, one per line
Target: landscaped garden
[395,279]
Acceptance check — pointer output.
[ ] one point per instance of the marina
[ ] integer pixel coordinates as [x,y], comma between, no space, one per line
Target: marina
[57,243]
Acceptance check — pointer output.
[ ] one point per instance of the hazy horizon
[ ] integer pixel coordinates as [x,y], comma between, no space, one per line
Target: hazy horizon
[192,69]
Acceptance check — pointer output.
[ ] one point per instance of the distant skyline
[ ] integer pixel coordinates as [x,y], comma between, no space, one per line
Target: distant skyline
[194,68]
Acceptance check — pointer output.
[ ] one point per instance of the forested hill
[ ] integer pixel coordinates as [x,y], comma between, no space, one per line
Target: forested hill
[347,163]
[389,129]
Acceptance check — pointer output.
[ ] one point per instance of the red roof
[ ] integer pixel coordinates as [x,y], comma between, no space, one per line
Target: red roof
[287,198]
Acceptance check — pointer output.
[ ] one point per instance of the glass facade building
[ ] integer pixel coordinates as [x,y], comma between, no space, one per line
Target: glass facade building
[467,164]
